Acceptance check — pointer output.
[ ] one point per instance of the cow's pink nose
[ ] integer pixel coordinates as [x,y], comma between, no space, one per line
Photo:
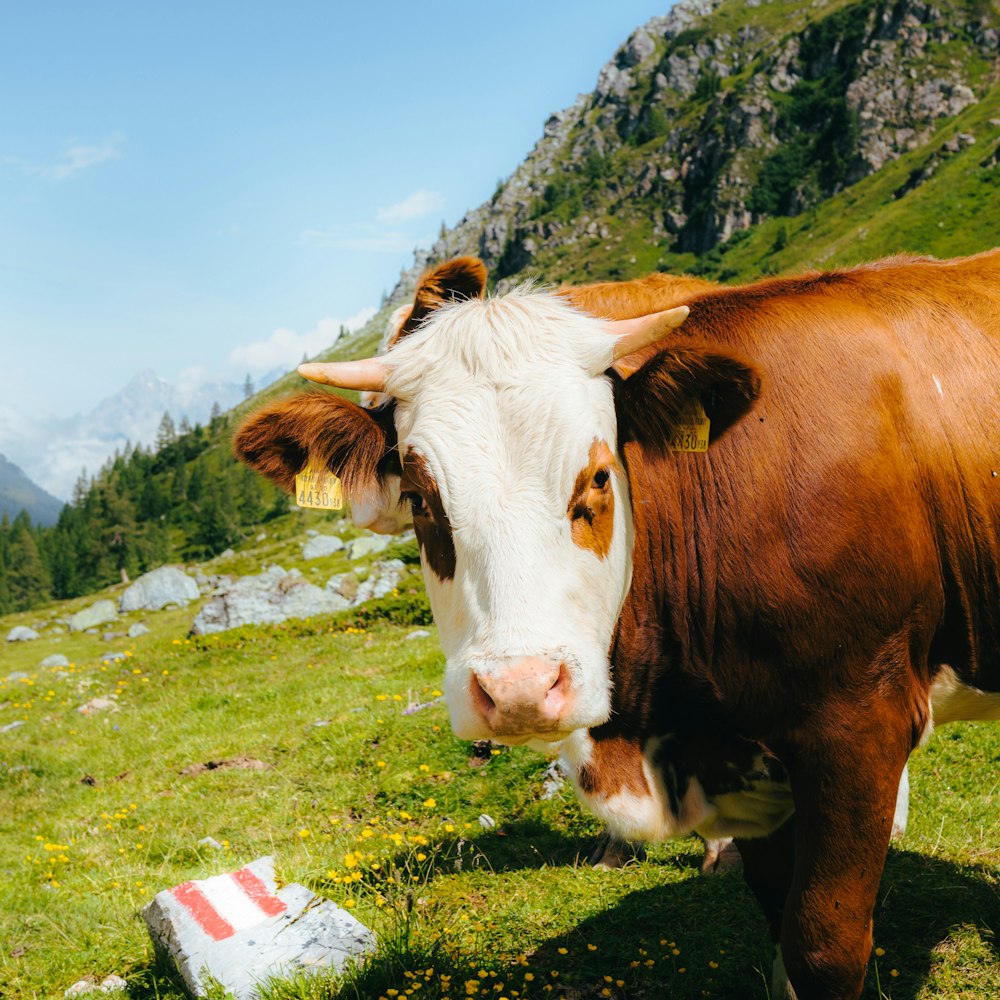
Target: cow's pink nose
[531,695]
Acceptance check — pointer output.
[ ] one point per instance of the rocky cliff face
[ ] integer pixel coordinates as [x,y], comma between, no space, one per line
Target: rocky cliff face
[725,113]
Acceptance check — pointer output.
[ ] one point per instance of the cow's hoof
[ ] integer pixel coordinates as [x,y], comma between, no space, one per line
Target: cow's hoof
[611,852]
[720,856]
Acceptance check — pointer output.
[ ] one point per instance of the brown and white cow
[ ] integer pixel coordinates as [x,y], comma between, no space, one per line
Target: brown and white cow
[385,514]
[466,277]
[787,614]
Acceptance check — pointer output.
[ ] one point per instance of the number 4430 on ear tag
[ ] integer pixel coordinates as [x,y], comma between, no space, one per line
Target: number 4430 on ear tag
[319,489]
[692,430]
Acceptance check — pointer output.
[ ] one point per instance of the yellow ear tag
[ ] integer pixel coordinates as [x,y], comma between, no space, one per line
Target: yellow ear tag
[319,490]
[691,432]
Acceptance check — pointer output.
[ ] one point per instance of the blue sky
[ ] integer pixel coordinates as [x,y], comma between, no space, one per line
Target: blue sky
[184,185]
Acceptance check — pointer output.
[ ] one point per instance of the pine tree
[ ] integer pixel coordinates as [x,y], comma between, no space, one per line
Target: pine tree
[6,601]
[28,577]
[248,387]
[167,434]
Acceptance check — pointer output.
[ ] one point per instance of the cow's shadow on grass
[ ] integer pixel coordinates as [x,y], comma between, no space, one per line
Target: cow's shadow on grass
[933,918]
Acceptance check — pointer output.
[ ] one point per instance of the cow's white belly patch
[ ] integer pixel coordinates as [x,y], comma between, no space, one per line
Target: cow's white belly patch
[673,805]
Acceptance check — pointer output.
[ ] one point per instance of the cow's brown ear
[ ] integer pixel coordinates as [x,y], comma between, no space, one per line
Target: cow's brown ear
[460,278]
[356,445]
[652,401]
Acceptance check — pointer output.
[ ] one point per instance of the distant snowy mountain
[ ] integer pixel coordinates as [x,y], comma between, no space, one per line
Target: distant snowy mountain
[18,492]
[54,452]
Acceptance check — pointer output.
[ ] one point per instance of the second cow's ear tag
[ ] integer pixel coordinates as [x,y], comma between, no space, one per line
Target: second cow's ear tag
[318,488]
[691,432]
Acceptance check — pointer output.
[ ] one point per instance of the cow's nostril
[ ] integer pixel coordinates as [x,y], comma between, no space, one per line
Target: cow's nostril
[484,703]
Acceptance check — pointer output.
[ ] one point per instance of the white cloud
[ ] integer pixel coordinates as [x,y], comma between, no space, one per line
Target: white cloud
[72,160]
[415,206]
[285,348]
[78,157]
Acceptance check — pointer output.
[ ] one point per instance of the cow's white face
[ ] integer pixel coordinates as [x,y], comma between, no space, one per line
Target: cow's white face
[507,434]
[502,422]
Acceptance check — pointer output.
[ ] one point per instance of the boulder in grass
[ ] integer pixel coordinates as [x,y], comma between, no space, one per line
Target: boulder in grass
[21,633]
[383,577]
[97,614]
[241,930]
[267,599]
[366,545]
[322,545]
[55,661]
[157,589]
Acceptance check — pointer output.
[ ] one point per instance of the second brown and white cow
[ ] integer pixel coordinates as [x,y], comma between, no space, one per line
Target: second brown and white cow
[788,614]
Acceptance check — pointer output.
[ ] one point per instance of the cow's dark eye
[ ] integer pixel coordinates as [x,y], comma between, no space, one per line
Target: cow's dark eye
[601,478]
[418,505]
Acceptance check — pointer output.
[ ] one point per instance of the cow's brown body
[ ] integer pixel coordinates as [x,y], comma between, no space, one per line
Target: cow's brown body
[809,595]
[802,583]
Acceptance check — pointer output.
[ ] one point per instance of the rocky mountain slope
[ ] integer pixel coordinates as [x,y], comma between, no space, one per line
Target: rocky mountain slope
[727,122]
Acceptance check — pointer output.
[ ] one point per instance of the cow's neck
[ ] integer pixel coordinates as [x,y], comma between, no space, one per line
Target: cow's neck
[664,639]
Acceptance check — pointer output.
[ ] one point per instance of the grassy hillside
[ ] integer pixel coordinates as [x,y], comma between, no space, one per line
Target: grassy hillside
[380,811]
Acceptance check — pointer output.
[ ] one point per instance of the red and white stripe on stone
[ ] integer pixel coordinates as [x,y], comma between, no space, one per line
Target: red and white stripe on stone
[225,904]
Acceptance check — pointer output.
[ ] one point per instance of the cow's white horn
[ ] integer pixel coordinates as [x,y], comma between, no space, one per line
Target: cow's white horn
[367,374]
[635,334]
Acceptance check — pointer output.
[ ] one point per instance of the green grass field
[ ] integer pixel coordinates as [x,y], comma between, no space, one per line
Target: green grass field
[379,810]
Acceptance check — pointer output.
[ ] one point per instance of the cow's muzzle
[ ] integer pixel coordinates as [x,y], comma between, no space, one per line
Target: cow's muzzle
[532,696]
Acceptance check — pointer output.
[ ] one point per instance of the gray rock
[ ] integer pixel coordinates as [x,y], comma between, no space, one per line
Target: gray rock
[157,589]
[267,599]
[420,633]
[81,988]
[137,629]
[383,578]
[112,657]
[555,777]
[12,725]
[55,660]
[344,588]
[21,633]
[322,545]
[111,636]
[17,675]
[278,932]
[98,705]
[86,987]
[366,545]
[97,614]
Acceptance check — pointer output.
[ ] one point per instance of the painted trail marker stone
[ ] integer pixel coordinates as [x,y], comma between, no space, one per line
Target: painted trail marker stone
[241,930]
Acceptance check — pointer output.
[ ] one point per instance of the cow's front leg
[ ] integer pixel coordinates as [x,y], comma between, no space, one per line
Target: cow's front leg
[844,782]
